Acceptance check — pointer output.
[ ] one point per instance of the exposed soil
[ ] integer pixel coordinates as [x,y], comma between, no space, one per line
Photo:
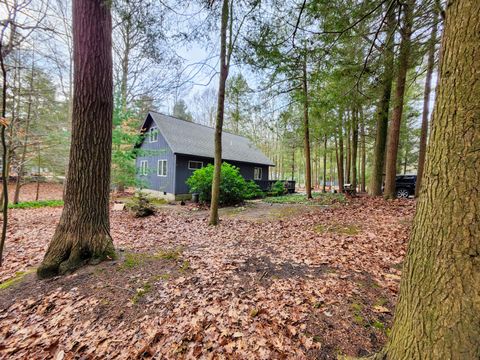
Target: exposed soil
[279,288]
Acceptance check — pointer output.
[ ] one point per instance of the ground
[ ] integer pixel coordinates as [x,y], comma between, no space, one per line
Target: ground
[271,281]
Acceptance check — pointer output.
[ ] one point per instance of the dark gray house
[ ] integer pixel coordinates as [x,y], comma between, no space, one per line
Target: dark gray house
[172,149]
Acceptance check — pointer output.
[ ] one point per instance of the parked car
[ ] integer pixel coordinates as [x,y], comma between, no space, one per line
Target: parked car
[405,185]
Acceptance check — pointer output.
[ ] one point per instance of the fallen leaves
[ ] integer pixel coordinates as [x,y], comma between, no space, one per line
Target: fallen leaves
[276,289]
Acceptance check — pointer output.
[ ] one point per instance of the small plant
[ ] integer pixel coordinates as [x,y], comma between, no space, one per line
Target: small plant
[141,292]
[252,191]
[140,206]
[278,189]
[185,266]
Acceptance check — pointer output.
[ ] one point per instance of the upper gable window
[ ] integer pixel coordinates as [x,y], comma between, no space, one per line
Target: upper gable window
[257,173]
[195,165]
[153,134]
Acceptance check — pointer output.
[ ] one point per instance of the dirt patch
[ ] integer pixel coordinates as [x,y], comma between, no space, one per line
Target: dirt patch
[263,268]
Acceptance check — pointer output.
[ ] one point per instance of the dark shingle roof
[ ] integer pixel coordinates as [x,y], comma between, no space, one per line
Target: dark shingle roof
[188,138]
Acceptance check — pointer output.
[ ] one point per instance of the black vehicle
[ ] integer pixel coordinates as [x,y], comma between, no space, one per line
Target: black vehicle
[405,185]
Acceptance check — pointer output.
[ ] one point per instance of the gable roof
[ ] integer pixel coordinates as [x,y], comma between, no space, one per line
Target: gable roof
[185,137]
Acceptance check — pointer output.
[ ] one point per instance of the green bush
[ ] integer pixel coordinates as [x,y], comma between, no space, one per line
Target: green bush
[252,191]
[233,187]
[278,189]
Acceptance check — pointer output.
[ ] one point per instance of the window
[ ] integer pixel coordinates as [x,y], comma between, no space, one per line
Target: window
[257,173]
[153,134]
[144,167]
[162,168]
[195,165]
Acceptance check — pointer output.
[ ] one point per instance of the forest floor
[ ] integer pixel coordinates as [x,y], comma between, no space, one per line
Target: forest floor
[271,281]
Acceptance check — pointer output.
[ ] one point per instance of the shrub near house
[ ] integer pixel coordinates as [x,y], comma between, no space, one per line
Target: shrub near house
[233,187]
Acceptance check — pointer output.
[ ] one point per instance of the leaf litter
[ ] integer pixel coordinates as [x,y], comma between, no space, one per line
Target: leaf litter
[244,289]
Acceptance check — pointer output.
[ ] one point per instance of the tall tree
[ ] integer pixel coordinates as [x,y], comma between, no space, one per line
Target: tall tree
[306,132]
[83,232]
[224,67]
[438,311]
[403,65]
[426,101]
[383,106]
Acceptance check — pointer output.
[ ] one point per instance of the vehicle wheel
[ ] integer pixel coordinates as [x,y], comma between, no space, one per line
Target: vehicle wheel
[402,193]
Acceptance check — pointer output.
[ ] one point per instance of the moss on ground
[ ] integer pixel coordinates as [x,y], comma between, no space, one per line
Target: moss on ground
[19,275]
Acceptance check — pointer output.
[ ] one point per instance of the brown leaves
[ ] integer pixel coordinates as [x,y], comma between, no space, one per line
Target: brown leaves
[275,289]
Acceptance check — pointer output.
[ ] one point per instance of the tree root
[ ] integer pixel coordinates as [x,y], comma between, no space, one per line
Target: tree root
[66,253]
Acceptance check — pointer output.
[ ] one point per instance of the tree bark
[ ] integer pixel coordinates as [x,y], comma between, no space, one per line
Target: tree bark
[426,103]
[340,155]
[220,115]
[438,311]
[363,156]
[306,133]
[375,188]
[354,148]
[18,185]
[394,131]
[349,153]
[324,188]
[83,232]
[3,126]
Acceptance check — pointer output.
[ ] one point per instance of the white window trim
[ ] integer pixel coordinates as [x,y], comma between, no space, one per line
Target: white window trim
[153,131]
[144,167]
[260,173]
[190,161]
[164,167]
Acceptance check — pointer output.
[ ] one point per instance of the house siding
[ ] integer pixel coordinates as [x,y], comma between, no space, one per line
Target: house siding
[152,152]
[183,173]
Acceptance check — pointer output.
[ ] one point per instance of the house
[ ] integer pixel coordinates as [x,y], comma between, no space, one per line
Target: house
[172,149]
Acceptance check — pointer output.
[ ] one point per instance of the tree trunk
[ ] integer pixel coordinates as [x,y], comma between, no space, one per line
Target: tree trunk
[18,185]
[324,189]
[363,156]
[438,310]
[375,188]
[394,132]
[293,163]
[354,148]
[220,114]
[3,126]
[83,232]
[349,153]
[426,104]
[306,132]
[340,157]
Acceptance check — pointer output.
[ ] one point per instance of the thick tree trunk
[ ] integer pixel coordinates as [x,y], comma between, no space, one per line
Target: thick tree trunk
[375,188]
[306,134]
[220,115]
[83,232]
[426,104]
[354,148]
[438,311]
[394,132]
